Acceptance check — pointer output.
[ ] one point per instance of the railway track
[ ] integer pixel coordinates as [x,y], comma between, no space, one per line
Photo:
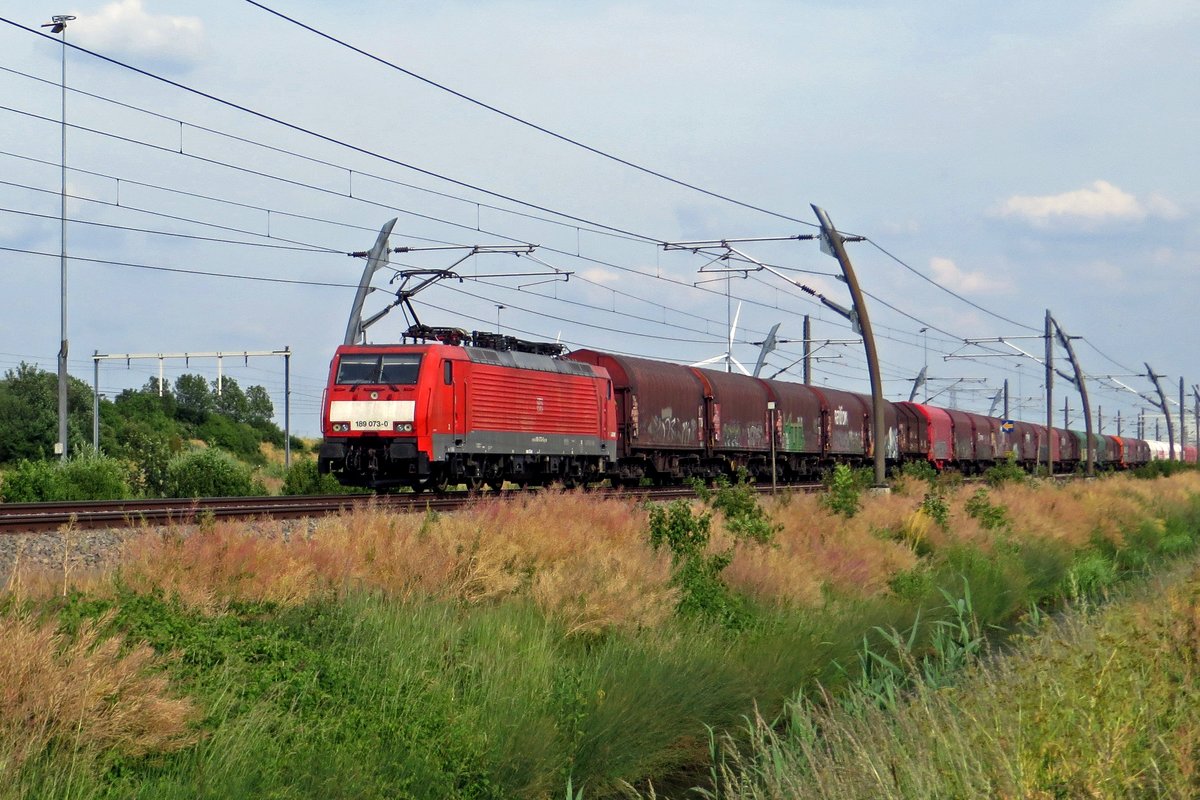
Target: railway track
[18,518]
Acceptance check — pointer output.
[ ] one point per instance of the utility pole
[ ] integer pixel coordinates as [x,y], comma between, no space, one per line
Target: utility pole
[1162,404]
[1099,420]
[1118,422]
[833,243]
[1006,398]
[1182,420]
[58,24]
[807,350]
[95,403]
[925,360]
[1196,411]
[376,257]
[1049,396]
[1066,411]
[1081,384]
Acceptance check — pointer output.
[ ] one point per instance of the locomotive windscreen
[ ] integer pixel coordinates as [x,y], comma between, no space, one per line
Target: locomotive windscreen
[387,368]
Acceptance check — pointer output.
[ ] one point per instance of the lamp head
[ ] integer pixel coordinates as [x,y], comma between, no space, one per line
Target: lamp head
[58,23]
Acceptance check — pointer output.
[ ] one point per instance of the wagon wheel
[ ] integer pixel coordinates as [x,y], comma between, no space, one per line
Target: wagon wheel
[434,483]
[496,484]
[473,483]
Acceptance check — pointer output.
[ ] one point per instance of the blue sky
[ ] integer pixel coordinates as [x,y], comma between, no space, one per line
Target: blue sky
[1025,157]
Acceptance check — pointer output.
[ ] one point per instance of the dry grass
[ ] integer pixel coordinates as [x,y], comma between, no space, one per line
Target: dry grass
[580,559]
[816,550]
[88,693]
[585,559]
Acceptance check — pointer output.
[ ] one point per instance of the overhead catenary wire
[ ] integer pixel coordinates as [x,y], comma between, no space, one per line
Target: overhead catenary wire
[328,139]
[898,311]
[527,123]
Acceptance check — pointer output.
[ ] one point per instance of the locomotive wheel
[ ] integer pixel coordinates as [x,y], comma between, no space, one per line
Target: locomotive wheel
[496,484]
[473,483]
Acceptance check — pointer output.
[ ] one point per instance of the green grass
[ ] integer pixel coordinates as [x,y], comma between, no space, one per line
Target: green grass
[1098,705]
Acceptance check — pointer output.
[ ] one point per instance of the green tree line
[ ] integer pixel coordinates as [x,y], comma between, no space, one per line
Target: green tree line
[142,431]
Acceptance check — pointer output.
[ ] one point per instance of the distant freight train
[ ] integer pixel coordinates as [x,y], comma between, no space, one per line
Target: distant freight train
[481,408]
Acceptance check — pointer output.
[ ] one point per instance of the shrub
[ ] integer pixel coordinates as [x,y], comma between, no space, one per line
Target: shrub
[302,478]
[209,473]
[1007,472]
[937,508]
[844,495]
[744,517]
[1162,468]
[920,470]
[236,437]
[991,517]
[83,477]
[697,573]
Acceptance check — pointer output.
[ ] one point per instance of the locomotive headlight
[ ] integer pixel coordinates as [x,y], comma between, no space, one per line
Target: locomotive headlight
[341,427]
[404,427]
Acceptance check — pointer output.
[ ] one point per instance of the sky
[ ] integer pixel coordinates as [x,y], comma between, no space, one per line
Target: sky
[999,161]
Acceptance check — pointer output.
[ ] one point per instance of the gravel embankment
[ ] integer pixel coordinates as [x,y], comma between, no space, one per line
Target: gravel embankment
[90,550]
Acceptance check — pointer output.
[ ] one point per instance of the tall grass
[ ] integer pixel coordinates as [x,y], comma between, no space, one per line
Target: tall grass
[86,694]
[508,649]
[1105,707]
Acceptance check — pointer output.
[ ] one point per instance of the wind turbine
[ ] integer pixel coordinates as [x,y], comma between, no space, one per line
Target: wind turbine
[727,356]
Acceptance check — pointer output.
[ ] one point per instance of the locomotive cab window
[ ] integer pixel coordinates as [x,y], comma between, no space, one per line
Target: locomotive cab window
[355,369]
[400,368]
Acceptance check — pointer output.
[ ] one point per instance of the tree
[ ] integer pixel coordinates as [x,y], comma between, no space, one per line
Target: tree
[231,401]
[259,408]
[29,414]
[193,398]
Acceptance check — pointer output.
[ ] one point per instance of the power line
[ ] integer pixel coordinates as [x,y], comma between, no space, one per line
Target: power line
[947,290]
[527,123]
[323,137]
[126,228]
[310,159]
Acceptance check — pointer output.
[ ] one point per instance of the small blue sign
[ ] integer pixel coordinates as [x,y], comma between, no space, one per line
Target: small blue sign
[1008,426]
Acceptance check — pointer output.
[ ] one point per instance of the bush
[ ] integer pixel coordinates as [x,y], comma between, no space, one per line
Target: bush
[236,437]
[844,492]
[1007,472]
[703,591]
[920,470]
[302,478]
[84,477]
[991,516]
[210,473]
[738,502]
[1161,468]
[934,504]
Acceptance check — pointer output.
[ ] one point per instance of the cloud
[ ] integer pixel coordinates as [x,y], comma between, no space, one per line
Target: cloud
[125,29]
[947,273]
[599,275]
[1098,203]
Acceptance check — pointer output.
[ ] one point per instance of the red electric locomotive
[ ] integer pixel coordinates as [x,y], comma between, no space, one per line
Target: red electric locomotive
[481,409]
[429,416]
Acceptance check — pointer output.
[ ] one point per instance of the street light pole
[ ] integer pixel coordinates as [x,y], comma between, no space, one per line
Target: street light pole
[58,24]
[925,350]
